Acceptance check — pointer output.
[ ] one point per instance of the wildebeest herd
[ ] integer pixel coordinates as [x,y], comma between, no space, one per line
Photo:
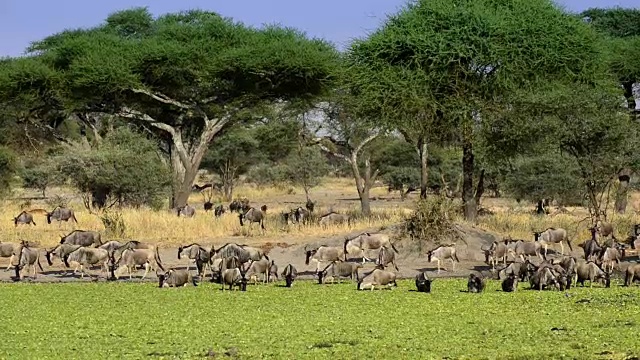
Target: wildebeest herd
[236,265]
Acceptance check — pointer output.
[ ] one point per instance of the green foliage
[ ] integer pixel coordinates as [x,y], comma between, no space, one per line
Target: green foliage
[306,167]
[125,167]
[39,175]
[232,153]
[550,176]
[268,174]
[277,138]
[616,22]
[432,222]
[8,168]
[492,321]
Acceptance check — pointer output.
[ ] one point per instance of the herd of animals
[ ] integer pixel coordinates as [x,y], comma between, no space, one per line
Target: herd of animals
[235,265]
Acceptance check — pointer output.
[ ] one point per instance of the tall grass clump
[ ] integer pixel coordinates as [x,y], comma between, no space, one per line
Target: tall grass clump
[432,222]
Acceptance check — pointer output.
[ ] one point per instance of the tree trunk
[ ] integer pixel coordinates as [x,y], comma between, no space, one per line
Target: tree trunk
[363,184]
[623,188]
[631,99]
[424,179]
[480,188]
[468,198]
[540,208]
[228,174]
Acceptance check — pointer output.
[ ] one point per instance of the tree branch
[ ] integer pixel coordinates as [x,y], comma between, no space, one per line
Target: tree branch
[163,98]
[366,141]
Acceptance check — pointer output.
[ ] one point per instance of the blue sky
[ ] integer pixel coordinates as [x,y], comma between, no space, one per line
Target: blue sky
[24,21]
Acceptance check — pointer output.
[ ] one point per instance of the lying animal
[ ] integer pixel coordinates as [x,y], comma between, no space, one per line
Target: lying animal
[377,277]
[175,278]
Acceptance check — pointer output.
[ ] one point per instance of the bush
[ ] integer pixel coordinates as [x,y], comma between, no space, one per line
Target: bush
[39,176]
[8,168]
[431,222]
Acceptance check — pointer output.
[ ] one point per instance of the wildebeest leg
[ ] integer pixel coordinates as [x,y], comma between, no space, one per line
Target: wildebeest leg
[146,269]
[438,262]
[561,249]
[10,262]
[453,265]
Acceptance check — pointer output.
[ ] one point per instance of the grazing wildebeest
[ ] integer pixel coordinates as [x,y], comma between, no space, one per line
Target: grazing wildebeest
[553,236]
[339,270]
[324,254]
[377,277]
[492,254]
[130,258]
[82,237]
[61,251]
[254,215]
[632,274]
[176,278]
[569,266]
[6,250]
[519,269]
[442,253]
[61,214]
[201,257]
[334,218]
[591,247]
[423,283]
[386,257]
[87,256]
[611,255]
[243,252]
[23,218]
[218,210]
[233,277]
[528,248]
[366,241]
[26,256]
[592,272]
[510,284]
[186,210]
[543,279]
[262,266]
[289,274]
[476,283]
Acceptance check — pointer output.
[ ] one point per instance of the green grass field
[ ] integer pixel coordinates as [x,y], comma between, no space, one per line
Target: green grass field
[310,321]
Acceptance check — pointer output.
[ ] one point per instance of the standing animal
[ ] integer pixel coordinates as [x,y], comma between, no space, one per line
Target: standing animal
[240,206]
[82,237]
[495,252]
[130,258]
[7,249]
[591,247]
[254,215]
[510,284]
[423,283]
[553,236]
[61,251]
[377,277]
[243,252]
[233,277]
[324,254]
[339,270]
[111,246]
[289,274]
[262,266]
[527,248]
[475,284]
[26,256]
[632,274]
[201,257]
[590,271]
[386,257]
[88,256]
[310,205]
[366,241]
[208,206]
[175,278]
[605,229]
[518,269]
[186,211]
[611,255]
[442,253]
[543,279]
[24,218]
[218,210]
[334,219]
[61,214]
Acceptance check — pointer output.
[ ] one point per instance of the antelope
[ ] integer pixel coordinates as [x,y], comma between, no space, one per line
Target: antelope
[366,241]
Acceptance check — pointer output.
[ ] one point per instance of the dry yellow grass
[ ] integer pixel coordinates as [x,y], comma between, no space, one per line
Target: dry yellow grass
[166,228]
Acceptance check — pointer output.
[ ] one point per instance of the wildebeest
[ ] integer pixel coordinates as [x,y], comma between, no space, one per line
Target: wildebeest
[176,278]
[310,205]
[130,258]
[518,269]
[386,257]
[61,251]
[510,284]
[26,256]
[240,206]
[333,218]
[186,210]
[339,270]
[497,250]
[423,283]
[377,277]
[366,241]
[569,265]
[233,277]
[611,255]
[23,218]
[528,248]
[591,247]
[243,252]
[543,279]
[632,274]
[289,274]
[87,256]
[208,206]
[262,266]
[553,236]
[605,229]
[254,215]
[296,216]
[218,210]
[6,250]
[475,283]
[324,254]
[442,253]
[111,246]
[82,237]
[61,214]
[592,272]
[200,255]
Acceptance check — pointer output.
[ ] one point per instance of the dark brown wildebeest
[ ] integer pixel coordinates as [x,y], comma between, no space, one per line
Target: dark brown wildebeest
[208,206]
[553,236]
[423,283]
[61,214]
[241,206]
[218,210]
[82,237]
[23,218]
[510,284]
[591,247]
[254,216]
[476,283]
[442,253]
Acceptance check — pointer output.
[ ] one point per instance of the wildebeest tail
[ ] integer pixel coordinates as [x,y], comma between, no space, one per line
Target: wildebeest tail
[39,265]
[455,256]
[346,241]
[73,216]
[65,260]
[393,247]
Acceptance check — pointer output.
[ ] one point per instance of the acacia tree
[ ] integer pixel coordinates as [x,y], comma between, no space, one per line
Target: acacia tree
[461,59]
[182,76]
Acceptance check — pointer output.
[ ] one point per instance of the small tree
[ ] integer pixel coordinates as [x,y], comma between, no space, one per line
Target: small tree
[306,168]
[39,176]
[8,168]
